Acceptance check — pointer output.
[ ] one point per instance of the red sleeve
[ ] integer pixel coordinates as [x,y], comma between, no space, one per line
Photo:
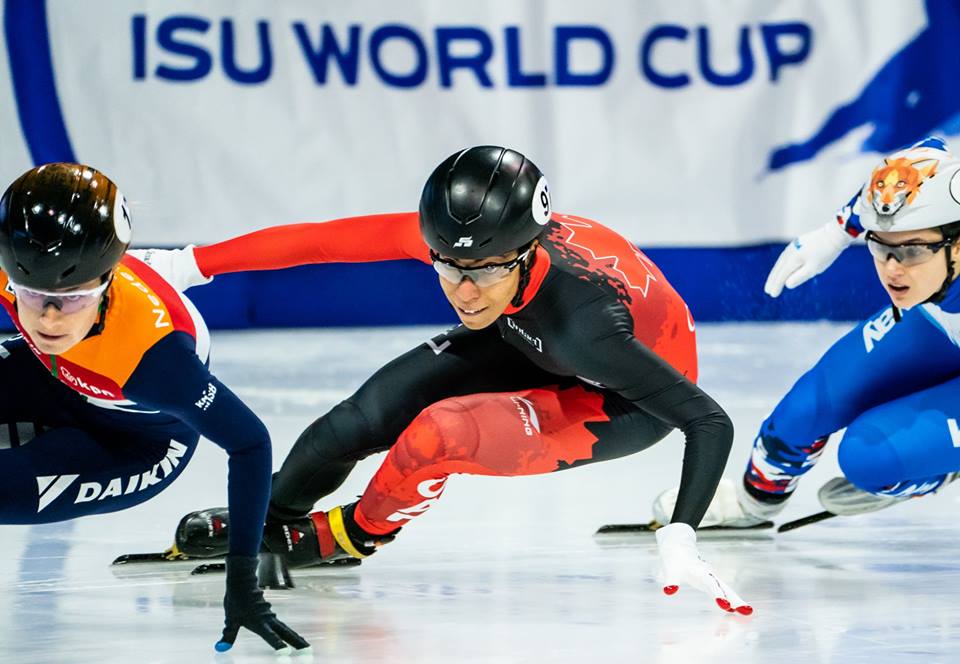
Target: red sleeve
[378,237]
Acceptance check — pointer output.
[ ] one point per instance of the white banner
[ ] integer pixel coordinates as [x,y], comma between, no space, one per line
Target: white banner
[680,124]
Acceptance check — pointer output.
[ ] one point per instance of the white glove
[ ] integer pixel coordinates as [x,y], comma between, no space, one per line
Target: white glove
[680,564]
[806,257]
[177,266]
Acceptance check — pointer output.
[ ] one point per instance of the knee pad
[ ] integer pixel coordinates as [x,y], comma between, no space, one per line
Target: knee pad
[444,431]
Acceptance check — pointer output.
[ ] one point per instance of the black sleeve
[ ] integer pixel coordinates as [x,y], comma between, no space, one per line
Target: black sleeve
[172,379]
[603,349]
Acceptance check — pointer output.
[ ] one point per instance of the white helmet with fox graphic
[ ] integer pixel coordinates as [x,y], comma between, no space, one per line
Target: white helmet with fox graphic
[912,190]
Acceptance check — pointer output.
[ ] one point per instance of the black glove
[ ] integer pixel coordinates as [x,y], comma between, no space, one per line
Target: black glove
[244,606]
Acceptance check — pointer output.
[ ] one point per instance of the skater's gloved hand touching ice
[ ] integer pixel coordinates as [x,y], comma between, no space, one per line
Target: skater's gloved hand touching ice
[806,257]
[681,565]
[244,606]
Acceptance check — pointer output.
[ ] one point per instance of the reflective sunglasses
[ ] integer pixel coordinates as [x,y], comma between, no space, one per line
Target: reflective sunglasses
[67,302]
[483,276]
[909,254]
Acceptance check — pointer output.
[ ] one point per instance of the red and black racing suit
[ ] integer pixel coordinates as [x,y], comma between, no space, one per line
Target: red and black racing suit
[598,362]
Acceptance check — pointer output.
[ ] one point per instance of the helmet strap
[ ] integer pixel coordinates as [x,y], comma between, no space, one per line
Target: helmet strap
[524,270]
[102,317]
[942,292]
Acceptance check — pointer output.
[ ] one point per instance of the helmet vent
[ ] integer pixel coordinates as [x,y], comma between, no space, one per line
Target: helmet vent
[70,270]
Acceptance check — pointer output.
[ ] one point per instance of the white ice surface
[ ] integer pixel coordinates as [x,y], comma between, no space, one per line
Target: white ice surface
[503,569]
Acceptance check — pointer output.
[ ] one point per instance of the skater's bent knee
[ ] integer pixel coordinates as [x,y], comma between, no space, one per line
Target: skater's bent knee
[342,433]
[868,459]
[444,431]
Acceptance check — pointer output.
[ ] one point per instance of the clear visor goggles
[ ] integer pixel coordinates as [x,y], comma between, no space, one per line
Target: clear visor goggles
[483,276]
[67,302]
[911,253]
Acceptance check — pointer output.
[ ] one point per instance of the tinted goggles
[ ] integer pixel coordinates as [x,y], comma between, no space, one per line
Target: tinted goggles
[67,302]
[483,276]
[911,253]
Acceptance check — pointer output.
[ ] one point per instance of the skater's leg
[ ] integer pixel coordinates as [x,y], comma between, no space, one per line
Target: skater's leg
[878,361]
[59,458]
[66,472]
[906,447]
[454,363]
[506,434]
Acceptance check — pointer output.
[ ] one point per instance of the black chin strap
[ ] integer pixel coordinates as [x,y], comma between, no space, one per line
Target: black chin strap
[942,292]
[526,267]
[101,319]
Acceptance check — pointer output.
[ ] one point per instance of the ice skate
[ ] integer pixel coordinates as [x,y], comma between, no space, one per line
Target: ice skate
[842,498]
[732,509]
[321,537]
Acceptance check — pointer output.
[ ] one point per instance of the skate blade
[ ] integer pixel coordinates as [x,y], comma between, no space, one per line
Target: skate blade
[154,557]
[653,526]
[617,530]
[215,568]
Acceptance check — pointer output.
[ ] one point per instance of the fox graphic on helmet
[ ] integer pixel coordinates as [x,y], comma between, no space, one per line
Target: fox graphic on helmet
[897,182]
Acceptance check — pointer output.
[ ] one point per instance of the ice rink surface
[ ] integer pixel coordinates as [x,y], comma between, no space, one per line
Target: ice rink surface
[503,569]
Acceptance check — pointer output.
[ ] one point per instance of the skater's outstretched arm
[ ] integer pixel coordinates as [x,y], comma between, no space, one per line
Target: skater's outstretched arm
[816,250]
[352,240]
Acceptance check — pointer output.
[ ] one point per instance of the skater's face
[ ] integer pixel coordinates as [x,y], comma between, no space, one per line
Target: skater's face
[910,283]
[54,331]
[479,305]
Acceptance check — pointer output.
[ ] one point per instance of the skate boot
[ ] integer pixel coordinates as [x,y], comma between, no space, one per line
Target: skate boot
[732,507]
[202,534]
[842,498]
[317,538]
[321,537]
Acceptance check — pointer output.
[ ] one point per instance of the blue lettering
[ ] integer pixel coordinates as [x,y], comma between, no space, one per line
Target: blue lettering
[565,35]
[348,60]
[139,30]
[746,59]
[516,77]
[167,40]
[675,32]
[229,55]
[447,62]
[393,31]
[777,56]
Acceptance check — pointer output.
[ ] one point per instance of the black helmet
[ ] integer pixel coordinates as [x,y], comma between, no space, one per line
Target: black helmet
[62,225]
[483,201]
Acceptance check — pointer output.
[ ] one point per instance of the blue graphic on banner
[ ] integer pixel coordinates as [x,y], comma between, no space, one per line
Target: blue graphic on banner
[31,68]
[915,94]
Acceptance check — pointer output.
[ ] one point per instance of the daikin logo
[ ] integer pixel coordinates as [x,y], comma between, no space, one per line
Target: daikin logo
[51,487]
